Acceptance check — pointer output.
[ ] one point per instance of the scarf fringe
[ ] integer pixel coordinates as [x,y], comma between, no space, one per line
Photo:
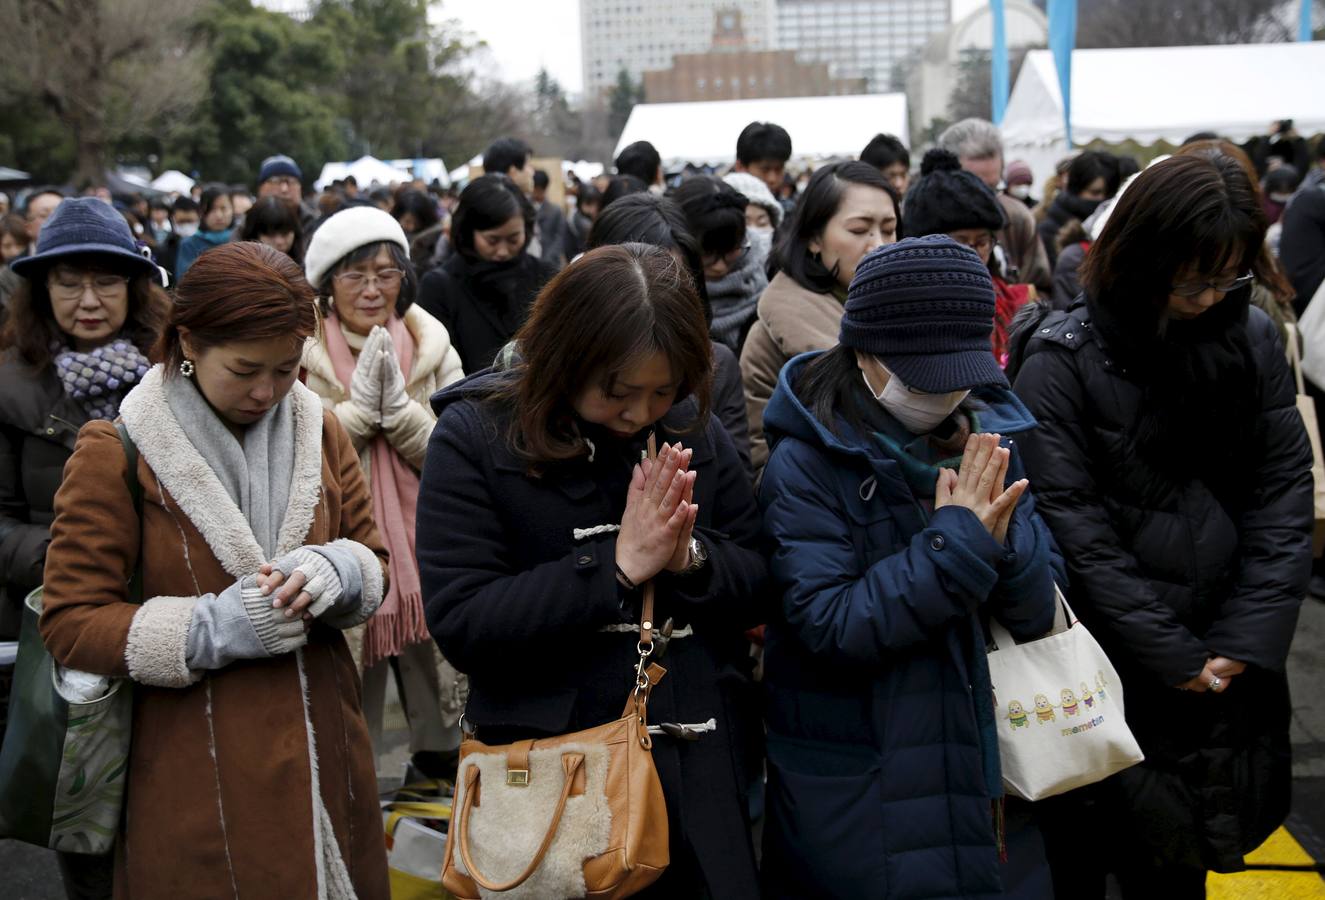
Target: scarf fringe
[389,632]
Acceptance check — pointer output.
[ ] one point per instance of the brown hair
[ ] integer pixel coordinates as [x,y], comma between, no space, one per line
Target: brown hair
[1186,210]
[604,312]
[16,227]
[1266,269]
[30,328]
[241,291]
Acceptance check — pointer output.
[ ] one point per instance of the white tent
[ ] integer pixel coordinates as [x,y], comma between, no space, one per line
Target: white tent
[1147,94]
[173,182]
[460,176]
[365,169]
[820,127]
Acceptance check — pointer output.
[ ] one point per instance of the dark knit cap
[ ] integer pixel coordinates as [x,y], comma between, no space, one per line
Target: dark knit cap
[925,307]
[278,165]
[946,198]
[81,226]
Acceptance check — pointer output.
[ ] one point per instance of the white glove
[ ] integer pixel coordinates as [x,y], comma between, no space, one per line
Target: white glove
[366,384]
[321,581]
[394,398]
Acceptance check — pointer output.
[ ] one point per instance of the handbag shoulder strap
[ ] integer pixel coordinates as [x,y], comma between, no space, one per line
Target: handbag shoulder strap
[136,492]
[1295,356]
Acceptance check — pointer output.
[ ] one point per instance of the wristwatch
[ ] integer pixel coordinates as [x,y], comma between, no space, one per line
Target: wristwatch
[699,556]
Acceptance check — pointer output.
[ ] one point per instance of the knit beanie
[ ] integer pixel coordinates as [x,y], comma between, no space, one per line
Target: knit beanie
[755,191]
[947,198]
[345,232]
[925,307]
[1018,172]
[276,165]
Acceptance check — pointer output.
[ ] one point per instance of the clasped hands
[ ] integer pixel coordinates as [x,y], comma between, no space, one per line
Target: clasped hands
[660,516]
[978,485]
[1216,675]
[377,388]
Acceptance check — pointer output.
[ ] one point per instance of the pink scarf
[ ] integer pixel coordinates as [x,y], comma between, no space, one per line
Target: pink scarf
[399,621]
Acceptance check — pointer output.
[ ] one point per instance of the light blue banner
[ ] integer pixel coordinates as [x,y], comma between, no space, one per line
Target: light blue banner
[999,61]
[1304,22]
[1062,40]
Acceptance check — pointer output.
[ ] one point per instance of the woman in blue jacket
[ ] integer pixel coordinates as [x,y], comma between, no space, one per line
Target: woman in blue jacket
[900,521]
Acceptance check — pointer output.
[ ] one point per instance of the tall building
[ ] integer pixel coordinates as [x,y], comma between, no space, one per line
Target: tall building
[636,35]
[733,71]
[859,38]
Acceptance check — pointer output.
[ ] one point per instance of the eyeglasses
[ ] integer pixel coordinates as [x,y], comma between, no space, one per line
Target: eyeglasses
[386,279]
[107,287]
[730,257]
[1196,288]
[979,245]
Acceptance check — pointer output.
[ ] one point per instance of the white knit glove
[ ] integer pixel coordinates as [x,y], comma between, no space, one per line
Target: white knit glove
[366,384]
[394,399]
[278,632]
[322,583]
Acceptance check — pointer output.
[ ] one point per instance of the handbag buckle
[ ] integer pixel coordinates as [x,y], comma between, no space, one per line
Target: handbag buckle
[517,777]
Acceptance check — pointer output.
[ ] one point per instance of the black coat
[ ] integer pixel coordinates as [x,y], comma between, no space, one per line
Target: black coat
[1302,244]
[481,308]
[1166,575]
[517,602]
[38,426]
[1061,211]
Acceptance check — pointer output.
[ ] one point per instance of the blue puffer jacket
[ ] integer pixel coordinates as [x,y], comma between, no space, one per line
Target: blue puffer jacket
[878,768]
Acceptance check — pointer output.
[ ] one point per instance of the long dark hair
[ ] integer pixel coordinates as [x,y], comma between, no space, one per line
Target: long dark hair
[817,205]
[272,215]
[30,328]
[1199,376]
[649,219]
[607,310]
[489,202]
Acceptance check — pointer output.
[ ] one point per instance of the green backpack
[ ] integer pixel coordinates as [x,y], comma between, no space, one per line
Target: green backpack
[63,764]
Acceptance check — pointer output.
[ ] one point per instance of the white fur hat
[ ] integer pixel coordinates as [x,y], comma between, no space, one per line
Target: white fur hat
[756,192]
[345,232]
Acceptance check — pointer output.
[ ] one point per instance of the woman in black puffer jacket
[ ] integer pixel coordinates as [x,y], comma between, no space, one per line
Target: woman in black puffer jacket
[1173,468]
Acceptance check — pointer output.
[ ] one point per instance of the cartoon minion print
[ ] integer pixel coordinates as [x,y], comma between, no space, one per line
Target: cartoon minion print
[1017,715]
[1044,710]
[1087,696]
[1099,686]
[1070,707]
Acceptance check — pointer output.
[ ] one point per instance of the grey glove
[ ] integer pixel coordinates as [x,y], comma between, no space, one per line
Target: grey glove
[366,383]
[240,623]
[322,582]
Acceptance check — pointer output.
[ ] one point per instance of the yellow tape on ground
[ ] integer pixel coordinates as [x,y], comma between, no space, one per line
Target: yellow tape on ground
[1279,849]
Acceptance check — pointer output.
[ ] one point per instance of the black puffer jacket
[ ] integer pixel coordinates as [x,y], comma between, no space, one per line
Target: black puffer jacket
[1167,574]
[38,427]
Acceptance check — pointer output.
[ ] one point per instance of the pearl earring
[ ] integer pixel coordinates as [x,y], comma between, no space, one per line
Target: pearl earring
[186,368]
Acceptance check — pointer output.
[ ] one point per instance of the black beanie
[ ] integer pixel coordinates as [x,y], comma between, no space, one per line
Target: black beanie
[947,198]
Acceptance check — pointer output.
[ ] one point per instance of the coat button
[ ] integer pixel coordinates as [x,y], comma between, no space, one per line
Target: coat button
[1045,330]
[50,431]
[1068,335]
[937,543]
[584,560]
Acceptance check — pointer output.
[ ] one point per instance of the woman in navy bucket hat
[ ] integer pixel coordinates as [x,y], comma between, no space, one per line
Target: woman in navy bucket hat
[84,312]
[894,499]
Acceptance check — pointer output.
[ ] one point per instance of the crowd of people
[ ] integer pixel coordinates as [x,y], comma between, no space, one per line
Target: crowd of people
[402,434]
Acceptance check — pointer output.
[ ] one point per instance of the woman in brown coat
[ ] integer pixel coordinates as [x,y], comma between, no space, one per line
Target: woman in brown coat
[251,772]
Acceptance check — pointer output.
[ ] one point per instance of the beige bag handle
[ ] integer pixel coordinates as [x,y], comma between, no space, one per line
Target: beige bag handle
[570,764]
[1295,356]
[1064,619]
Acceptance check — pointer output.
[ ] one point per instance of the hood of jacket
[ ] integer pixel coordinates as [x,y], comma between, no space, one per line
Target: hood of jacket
[786,416]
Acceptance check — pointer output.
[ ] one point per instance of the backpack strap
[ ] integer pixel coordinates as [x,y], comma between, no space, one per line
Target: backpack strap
[135,491]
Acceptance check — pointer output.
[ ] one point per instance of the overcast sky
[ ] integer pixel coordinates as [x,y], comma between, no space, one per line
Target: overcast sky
[526,36]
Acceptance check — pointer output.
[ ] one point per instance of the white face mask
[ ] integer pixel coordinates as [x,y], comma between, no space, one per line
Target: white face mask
[188,229]
[919,413]
[1020,191]
[1281,198]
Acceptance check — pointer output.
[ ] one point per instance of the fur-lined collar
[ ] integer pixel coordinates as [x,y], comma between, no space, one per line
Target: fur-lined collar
[194,486]
[431,345]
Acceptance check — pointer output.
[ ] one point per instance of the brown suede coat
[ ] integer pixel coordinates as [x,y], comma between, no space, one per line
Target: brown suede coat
[220,800]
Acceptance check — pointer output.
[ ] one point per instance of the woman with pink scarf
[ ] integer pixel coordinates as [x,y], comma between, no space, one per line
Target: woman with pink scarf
[375,362]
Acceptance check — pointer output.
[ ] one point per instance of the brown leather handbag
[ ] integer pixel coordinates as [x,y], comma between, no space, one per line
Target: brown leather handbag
[577,815]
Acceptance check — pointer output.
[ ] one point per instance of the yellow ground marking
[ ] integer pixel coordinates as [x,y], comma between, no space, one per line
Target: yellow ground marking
[1279,849]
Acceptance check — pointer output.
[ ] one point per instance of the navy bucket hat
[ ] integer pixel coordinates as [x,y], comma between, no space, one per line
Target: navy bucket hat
[82,226]
[925,307]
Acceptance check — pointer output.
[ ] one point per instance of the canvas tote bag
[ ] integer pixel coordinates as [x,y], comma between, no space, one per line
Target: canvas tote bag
[1306,405]
[1059,710]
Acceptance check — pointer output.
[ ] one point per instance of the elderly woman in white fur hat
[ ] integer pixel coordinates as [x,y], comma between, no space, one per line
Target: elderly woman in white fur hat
[375,362]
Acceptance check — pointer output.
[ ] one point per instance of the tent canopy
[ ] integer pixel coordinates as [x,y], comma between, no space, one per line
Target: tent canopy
[705,132]
[173,181]
[365,169]
[1149,94]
